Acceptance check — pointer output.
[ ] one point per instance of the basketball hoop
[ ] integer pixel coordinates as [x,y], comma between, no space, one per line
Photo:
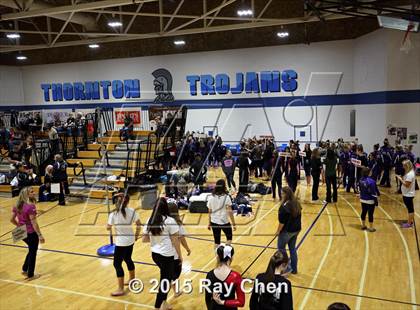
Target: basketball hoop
[406,43]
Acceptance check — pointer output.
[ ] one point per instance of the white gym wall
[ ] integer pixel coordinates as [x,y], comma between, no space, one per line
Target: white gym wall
[372,63]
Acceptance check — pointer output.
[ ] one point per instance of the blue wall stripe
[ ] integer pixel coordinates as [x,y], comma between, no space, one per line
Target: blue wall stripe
[382,97]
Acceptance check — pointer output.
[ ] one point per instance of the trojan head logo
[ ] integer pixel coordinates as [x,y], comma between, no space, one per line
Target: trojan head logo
[163,86]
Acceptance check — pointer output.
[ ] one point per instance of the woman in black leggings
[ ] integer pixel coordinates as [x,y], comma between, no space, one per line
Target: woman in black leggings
[162,231]
[25,214]
[277,175]
[408,189]
[122,219]
[316,171]
[368,198]
[220,211]
[243,165]
[292,170]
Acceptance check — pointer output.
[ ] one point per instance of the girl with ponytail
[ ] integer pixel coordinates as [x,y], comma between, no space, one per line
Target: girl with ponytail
[122,219]
[264,298]
[162,231]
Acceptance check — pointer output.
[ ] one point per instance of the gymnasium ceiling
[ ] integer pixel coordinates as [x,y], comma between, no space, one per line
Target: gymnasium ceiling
[53,31]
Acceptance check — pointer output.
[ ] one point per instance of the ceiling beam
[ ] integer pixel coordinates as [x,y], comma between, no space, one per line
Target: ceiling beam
[173,15]
[85,20]
[264,9]
[41,34]
[204,12]
[7,49]
[71,8]
[181,16]
[215,14]
[160,16]
[133,18]
[229,2]
[62,29]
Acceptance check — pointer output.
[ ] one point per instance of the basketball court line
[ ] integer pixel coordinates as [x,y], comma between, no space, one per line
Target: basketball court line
[414,224]
[365,261]
[344,234]
[52,223]
[409,262]
[356,295]
[233,243]
[399,202]
[66,291]
[4,199]
[259,255]
[41,213]
[84,255]
[345,216]
[312,225]
[205,272]
[321,264]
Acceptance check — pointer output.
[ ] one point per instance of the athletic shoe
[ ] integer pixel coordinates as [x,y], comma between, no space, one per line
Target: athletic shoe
[364,227]
[406,225]
[371,229]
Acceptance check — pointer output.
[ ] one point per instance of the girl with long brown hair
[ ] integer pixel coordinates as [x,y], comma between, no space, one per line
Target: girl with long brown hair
[290,224]
[264,297]
[162,231]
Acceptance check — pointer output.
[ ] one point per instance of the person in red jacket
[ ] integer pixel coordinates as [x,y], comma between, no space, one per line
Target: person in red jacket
[225,289]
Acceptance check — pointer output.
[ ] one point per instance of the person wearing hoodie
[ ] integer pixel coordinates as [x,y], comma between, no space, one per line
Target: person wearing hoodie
[198,171]
[228,167]
[368,198]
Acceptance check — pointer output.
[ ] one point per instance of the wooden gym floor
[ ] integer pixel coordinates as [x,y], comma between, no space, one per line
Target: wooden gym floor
[337,261]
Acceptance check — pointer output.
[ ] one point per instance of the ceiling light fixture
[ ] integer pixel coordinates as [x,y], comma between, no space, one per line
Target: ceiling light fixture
[93,45]
[114,24]
[283,34]
[13,35]
[245,12]
[21,57]
[179,42]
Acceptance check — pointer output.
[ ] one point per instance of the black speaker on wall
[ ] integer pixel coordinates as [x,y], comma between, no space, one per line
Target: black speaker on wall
[352,123]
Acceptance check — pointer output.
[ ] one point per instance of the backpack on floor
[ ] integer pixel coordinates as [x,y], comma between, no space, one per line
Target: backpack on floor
[198,204]
[262,189]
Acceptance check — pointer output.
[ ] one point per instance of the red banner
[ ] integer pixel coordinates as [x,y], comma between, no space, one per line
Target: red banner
[134,115]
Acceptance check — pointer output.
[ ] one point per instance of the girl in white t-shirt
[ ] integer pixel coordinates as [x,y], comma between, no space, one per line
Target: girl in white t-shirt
[162,231]
[173,211]
[122,218]
[408,191]
[220,211]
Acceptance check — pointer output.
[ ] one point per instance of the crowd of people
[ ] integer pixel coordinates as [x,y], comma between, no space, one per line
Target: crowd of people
[334,163]
[22,155]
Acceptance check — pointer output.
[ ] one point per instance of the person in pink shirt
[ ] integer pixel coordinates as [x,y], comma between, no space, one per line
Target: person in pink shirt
[24,213]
